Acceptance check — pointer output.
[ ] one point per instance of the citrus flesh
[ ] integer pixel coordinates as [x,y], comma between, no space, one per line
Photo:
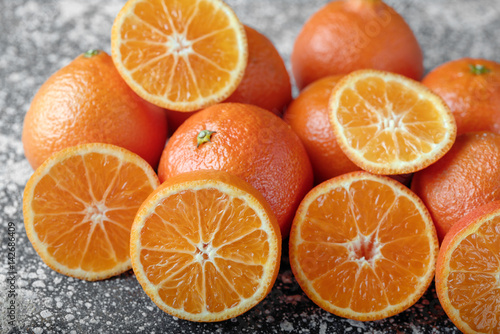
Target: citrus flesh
[206,246]
[180,55]
[363,246]
[468,271]
[79,206]
[389,124]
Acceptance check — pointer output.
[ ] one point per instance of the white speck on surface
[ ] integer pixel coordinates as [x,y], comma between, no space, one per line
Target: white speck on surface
[293,299]
[286,326]
[358,324]
[10,210]
[322,328]
[69,317]
[38,284]
[37,330]
[45,314]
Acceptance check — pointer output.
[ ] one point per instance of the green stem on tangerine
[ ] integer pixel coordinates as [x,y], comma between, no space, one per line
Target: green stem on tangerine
[204,137]
[91,53]
[478,69]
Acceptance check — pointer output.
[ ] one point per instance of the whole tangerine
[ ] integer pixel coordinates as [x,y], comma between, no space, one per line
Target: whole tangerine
[471,88]
[348,35]
[249,142]
[463,179]
[88,101]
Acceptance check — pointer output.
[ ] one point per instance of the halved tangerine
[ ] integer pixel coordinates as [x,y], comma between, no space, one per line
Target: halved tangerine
[389,124]
[468,271]
[206,246]
[79,206]
[363,246]
[180,55]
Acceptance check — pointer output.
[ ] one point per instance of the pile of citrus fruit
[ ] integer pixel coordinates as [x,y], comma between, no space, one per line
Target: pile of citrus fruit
[362,174]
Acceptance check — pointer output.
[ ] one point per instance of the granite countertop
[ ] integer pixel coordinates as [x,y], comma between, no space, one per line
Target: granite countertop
[37,37]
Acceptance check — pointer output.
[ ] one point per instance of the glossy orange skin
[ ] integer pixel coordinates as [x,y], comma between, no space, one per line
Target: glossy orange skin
[265,83]
[474,99]
[87,101]
[465,178]
[347,35]
[308,115]
[250,143]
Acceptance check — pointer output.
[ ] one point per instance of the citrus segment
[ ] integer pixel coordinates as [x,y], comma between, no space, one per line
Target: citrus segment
[180,55]
[468,271]
[363,246]
[79,206]
[205,246]
[389,124]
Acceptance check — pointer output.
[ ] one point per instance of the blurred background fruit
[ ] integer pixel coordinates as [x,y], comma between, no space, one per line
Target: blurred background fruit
[471,88]
[88,101]
[348,35]
[249,142]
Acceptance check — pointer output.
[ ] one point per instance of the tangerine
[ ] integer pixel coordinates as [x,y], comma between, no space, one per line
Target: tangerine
[348,35]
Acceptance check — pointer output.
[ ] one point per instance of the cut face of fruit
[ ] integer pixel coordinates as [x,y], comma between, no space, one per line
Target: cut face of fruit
[206,246]
[180,55]
[79,206]
[389,124]
[468,271]
[363,246]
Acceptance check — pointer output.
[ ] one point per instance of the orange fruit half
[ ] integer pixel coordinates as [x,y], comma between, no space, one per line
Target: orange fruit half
[363,246]
[79,206]
[180,55]
[389,124]
[468,271]
[205,246]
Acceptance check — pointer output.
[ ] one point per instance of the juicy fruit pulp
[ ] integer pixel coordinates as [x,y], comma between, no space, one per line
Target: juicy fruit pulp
[79,207]
[389,124]
[363,246]
[468,271]
[180,55]
[204,248]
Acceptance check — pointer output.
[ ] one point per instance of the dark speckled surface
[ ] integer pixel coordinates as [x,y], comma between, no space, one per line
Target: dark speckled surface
[39,37]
